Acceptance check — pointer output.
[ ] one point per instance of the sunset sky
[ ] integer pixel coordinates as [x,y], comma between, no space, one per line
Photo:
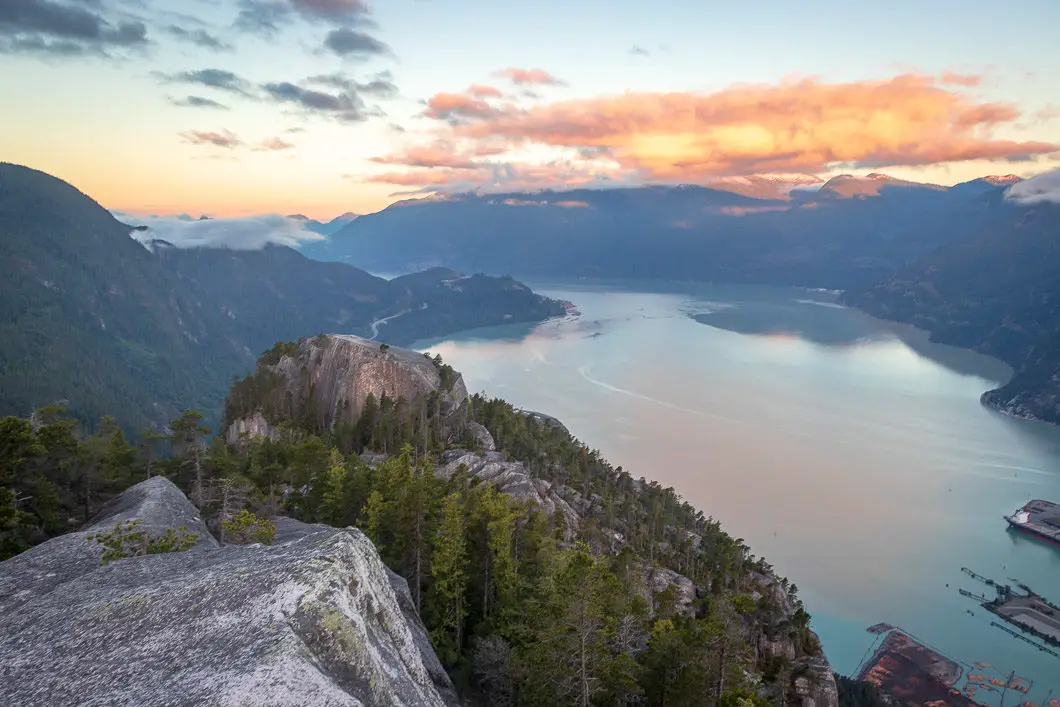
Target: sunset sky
[237,107]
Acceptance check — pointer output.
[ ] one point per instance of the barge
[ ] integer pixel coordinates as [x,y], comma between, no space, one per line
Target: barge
[1038,518]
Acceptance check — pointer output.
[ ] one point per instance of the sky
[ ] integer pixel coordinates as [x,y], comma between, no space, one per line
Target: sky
[235,108]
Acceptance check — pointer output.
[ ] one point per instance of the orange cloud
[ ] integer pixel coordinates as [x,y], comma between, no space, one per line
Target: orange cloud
[449,106]
[797,126]
[482,91]
[800,126]
[441,154]
[522,77]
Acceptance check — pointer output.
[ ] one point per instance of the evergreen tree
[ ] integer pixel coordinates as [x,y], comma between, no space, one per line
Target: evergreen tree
[449,564]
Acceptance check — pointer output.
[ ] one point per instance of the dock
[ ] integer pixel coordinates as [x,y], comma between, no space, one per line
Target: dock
[1030,612]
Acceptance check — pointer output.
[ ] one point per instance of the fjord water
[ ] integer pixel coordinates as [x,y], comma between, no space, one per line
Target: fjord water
[851,453]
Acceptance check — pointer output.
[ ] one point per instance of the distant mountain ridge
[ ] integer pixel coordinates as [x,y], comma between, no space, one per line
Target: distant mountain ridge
[963,262]
[848,231]
[90,316]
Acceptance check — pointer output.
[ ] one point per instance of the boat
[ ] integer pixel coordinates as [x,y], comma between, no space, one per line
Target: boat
[1038,518]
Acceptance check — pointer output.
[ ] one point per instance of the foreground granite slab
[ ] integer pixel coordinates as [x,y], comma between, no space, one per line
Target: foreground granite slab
[314,619]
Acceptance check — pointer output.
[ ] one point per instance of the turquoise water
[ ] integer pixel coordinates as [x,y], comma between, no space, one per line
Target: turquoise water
[849,452]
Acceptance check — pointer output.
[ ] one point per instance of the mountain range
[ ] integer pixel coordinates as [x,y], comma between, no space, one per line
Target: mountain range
[92,317]
[848,231]
[973,267]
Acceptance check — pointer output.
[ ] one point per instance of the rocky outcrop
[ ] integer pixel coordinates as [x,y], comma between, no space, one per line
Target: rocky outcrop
[812,680]
[482,437]
[328,378]
[511,478]
[655,580]
[316,618]
[814,684]
[254,426]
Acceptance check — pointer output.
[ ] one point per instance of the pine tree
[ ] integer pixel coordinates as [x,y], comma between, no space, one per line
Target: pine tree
[334,483]
[374,511]
[449,565]
[187,440]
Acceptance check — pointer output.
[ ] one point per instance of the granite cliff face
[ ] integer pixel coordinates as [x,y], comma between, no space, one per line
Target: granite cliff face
[329,377]
[316,618]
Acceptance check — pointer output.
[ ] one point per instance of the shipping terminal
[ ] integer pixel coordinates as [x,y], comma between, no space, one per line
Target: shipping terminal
[1039,518]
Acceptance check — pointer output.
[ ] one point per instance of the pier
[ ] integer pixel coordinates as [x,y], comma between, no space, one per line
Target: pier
[1029,612]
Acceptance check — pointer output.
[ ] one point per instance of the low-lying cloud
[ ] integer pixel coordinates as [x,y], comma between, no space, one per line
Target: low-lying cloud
[252,233]
[1043,188]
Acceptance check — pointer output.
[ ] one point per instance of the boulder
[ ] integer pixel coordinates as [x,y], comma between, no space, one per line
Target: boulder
[483,438]
[315,618]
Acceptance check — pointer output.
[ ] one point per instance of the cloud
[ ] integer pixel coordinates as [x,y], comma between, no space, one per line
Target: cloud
[338,11]
[268,17]
[1047,113]
[262,16]
[522,77]
[198,37]
[236,233]
[197,102]
[456,107]
[43,26]
[441,154]
[1039,189]
[354,44]
[273,144]
[483,91]
[636,50]
[954,79]
[225,138]
[380,86]
[797,126]
[344,106]
[212,78]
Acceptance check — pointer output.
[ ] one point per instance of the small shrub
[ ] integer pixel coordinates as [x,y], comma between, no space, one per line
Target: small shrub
[245,528]
[127,540]
[384,347]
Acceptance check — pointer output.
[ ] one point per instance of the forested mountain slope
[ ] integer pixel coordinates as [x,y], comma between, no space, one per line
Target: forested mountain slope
[998,292]
[90,316]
